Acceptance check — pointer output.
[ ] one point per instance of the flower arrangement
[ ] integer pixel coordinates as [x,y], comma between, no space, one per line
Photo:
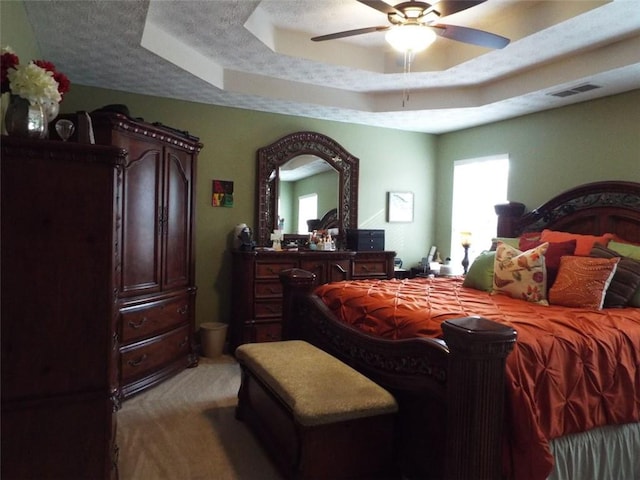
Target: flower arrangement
[38,81]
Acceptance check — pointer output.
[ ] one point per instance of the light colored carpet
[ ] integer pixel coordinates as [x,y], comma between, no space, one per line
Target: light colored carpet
[185,429]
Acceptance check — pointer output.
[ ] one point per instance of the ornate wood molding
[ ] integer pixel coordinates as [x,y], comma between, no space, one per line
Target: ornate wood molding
[271,157]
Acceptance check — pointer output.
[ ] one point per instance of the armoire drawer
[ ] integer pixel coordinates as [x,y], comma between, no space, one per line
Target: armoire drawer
[139,359]
[141,322]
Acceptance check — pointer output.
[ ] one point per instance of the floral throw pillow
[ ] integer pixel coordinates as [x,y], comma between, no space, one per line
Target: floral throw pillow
[521,274]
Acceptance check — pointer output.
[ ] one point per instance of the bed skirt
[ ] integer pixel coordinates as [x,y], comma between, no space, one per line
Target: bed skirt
[600,454]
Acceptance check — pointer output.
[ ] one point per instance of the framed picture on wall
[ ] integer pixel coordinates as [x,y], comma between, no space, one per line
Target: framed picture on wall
[400,206]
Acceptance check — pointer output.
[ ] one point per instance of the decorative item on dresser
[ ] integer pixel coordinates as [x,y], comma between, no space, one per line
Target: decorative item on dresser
[59,261]
[156,268]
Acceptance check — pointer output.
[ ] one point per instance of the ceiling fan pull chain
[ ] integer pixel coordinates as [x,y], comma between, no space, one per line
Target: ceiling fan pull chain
[408,56]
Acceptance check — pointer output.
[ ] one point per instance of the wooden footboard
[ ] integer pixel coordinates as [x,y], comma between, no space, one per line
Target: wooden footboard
[450,392]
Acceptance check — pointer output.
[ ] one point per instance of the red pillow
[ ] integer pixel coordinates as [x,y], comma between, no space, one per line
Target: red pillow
[584,242]
[552,255]
[531,236]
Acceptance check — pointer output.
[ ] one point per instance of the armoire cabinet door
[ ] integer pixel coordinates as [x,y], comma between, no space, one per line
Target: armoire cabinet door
[176,223]
[142,219]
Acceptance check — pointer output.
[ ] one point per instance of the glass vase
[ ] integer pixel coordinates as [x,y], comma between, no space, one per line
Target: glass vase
[23,119]
[51,111]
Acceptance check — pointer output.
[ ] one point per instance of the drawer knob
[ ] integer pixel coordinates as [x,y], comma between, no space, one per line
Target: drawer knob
[183,343]
[183,310]
[132,324]
[137,362]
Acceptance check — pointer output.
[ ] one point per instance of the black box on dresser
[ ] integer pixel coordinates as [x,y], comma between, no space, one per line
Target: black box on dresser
[365,240]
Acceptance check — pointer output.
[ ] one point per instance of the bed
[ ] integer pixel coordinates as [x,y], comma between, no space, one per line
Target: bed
[464,410]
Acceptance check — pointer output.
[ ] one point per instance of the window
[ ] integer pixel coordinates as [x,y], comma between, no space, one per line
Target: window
[478,185]
[307,210]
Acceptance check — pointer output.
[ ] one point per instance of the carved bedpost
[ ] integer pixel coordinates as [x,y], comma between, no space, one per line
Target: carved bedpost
[297,284]
[475,400]
[508,216]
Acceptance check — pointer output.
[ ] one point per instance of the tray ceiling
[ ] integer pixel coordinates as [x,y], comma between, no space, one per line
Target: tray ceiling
[257,55]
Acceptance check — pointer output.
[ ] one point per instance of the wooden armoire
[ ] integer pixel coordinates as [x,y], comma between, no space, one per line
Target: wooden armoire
[97,291]
[156,275]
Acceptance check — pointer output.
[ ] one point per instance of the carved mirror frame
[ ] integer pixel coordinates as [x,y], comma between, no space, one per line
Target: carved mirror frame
[272,157]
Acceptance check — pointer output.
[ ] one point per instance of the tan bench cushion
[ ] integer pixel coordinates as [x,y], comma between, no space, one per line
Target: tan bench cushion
[318,388]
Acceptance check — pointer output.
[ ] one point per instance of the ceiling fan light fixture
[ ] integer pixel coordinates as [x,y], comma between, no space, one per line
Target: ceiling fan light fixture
[413,38]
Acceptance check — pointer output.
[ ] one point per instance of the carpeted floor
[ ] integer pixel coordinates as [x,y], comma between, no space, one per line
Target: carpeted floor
[185,429]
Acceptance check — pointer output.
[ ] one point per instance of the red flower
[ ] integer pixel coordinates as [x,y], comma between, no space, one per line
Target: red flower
[8,60]
[61,78]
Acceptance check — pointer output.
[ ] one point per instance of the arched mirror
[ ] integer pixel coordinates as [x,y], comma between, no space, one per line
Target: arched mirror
[280,181]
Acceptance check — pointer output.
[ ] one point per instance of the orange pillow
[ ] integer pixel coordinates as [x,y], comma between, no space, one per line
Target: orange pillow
[584,243]
[582,282]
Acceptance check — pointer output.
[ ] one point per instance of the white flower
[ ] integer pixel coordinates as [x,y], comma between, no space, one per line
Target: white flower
[33,83]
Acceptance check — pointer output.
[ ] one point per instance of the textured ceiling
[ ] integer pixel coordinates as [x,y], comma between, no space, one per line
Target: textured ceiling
[257,55]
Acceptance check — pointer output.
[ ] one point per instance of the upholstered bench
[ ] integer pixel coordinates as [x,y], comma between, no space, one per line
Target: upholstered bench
[316,416]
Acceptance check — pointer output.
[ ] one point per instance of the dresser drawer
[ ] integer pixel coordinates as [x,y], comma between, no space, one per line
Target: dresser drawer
[268,289]
[141,322]
[267,332]
[269,308]
[369,269]
[272,269]
[140,359]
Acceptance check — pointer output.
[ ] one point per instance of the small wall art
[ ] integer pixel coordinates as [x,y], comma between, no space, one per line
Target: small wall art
[222,193]
[399,206]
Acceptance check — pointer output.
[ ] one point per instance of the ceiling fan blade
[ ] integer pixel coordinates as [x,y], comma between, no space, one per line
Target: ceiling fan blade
[349,33]
[382,7]
[449,7]
[471,35]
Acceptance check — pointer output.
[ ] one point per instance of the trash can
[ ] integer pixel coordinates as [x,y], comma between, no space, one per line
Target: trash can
[212,337]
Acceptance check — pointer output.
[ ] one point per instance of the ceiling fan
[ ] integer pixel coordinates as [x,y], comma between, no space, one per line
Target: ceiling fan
[420,19]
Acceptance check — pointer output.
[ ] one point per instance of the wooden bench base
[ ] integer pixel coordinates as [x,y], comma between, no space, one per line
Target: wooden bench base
[358,448]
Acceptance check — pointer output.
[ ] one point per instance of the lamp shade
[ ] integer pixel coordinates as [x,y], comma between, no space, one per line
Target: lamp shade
[414,38]
[465,239]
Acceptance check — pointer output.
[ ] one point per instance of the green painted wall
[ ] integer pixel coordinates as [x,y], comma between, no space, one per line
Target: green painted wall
[549,152]
[16,31]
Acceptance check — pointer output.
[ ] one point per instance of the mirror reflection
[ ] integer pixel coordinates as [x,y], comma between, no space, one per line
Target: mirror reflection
[308,188]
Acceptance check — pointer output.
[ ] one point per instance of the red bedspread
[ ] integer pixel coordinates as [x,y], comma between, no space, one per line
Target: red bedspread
[571,370]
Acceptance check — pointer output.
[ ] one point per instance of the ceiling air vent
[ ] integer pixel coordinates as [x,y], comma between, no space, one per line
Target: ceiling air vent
[575,90]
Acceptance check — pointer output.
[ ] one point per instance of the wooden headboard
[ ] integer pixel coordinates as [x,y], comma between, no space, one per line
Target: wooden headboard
[593,208]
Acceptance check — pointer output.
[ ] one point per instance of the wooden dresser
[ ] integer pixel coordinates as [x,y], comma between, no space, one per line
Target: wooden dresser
[156,263]
[257,292]
[59,267]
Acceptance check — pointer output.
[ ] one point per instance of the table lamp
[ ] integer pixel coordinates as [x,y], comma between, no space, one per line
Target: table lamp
[465,240]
